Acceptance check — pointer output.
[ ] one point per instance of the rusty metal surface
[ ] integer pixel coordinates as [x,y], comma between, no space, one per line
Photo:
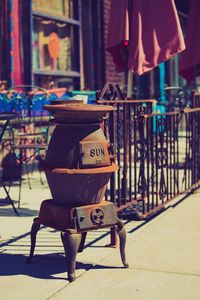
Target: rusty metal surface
[102,170]
[77,189]
[79,160]
[90,217]
[85,218]
[78,166]
[94,154]
[77,112]
[55,214]
[79,108]
[64,149]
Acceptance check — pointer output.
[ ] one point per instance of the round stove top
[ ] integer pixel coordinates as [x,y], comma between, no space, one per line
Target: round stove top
[78,112]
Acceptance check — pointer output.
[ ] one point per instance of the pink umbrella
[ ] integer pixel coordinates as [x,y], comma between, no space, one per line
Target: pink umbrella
[191,56]
[143,33]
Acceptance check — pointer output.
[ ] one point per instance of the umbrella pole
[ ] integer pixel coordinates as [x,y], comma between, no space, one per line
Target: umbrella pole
[126,136]
[129,84]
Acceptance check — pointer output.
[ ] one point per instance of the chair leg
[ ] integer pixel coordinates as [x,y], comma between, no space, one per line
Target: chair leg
[122,239]
[10,200]
[40,174]
[34,231]
[71,243]
[28,177]
[39,159]
[20,189]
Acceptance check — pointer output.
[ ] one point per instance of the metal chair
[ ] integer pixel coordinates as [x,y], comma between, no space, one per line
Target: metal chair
[8,173]
[11,173]
[31,128]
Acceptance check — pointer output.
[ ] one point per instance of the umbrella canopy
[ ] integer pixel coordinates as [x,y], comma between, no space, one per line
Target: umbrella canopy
[190,58]
[143,33]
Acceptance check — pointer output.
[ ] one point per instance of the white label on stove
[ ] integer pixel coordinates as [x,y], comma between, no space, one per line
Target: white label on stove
[94,153]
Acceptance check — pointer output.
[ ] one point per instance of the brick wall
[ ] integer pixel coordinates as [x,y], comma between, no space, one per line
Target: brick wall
[110,71]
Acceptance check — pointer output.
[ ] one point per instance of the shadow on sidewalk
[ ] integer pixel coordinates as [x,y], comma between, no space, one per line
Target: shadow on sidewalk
[43,266]
[6,210]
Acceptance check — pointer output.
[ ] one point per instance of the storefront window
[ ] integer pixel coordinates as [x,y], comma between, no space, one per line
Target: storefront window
[53,45]
[55,40]
[65,8]
[70,83]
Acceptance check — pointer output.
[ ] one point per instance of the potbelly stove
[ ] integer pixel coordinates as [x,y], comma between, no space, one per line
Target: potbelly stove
[78,165]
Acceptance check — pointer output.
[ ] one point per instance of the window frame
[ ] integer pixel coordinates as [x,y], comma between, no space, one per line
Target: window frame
[59,74]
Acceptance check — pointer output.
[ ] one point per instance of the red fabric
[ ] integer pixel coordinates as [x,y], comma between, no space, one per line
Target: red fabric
[190,58]
[16,49]
[154,36]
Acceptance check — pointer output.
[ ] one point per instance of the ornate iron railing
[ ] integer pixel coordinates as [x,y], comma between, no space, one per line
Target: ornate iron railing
[158,156]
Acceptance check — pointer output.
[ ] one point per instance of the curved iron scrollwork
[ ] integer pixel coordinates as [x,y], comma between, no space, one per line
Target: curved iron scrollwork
[111,92]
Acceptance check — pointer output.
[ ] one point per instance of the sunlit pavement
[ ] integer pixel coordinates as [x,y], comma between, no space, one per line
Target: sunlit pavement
[163,255]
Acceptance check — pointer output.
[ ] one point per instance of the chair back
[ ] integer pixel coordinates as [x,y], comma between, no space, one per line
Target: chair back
[27,103]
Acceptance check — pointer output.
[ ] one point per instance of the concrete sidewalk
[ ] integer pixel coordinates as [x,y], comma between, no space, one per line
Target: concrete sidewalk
[163,255]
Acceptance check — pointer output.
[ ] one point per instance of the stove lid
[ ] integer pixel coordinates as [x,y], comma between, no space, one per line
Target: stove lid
[78,112]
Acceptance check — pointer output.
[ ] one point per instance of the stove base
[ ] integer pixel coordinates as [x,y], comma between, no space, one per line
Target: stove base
[74,223]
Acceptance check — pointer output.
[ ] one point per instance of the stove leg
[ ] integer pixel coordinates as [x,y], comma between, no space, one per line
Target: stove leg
[34,230]
[71,243]
[122,239]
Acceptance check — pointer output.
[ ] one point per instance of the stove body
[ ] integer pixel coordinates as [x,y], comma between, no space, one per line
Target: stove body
[78,165]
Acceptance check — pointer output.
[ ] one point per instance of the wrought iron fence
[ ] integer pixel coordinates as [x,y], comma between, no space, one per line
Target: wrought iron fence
[158,156]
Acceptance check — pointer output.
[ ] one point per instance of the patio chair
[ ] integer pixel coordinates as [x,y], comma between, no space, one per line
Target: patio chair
[6,113]
[11,173]
[31,128]
[2,184]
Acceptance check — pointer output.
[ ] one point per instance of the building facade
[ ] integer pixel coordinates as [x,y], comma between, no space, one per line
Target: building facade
[61,43]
